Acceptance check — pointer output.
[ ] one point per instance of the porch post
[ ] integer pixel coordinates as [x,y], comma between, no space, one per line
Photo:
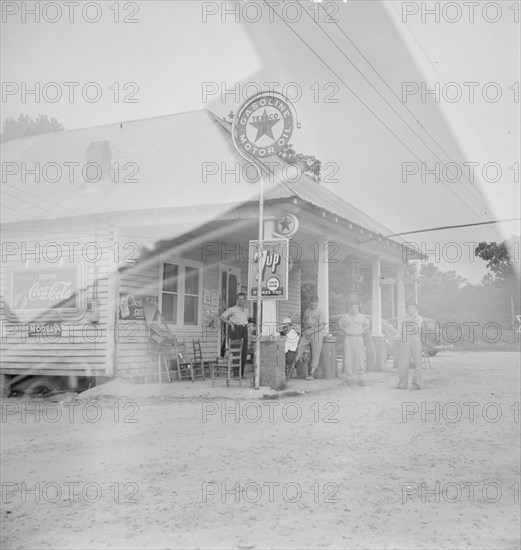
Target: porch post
[400,295]
[400,312]
[323,278]
[269,307]
[376,297]
[377,338]
[352,265]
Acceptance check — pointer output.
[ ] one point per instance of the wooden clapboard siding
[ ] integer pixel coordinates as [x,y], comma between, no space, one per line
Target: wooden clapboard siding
[133,359]
[74,351]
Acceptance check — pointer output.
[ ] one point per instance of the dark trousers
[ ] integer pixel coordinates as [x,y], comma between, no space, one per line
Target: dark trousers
[240,332]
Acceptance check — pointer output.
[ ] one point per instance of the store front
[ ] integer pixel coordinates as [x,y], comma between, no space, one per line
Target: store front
[184,247]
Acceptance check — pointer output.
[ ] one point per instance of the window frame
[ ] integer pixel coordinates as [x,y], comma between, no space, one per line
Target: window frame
[182,264]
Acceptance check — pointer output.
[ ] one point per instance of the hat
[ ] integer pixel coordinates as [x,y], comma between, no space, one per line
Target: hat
[286,321]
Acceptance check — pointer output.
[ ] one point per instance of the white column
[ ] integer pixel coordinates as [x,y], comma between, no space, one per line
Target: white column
[400,296]
[352,280]
[269,307]
[376,297]
[323,278]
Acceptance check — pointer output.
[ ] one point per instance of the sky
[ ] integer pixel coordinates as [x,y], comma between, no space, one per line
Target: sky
[158,57]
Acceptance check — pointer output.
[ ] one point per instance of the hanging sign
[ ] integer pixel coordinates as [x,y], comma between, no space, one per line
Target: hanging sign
[264,126]
[274,266]
[45,329]
[287,225]
[131,306]
[46,293]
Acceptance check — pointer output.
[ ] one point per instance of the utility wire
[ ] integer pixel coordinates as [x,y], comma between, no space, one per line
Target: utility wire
[441,228]
[397,98]
[363,102]
[29,204]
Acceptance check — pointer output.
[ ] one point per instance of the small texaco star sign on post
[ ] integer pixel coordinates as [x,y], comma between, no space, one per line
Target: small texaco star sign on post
[287,225]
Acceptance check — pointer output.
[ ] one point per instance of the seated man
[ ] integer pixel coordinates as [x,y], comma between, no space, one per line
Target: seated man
[291,335]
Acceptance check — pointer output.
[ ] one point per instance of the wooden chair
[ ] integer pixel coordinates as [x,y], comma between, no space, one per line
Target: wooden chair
[199,364]
[184,367]
[161,341]
[234,360]
[231,365]
[218,369]
[426,358]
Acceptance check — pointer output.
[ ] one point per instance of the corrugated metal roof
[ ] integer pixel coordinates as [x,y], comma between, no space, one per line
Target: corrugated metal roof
[164,155]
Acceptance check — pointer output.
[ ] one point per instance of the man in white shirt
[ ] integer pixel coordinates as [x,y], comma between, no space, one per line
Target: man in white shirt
[237,318]
[354,324]
[313,324]
[411,346]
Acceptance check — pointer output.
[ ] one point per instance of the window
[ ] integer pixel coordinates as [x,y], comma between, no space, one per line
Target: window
[170,292]
[191,295]
[181,291]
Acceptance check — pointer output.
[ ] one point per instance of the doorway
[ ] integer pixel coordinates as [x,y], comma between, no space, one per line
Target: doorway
[229,287]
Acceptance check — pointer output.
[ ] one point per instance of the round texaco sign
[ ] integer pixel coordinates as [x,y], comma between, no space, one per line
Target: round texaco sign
[264,126]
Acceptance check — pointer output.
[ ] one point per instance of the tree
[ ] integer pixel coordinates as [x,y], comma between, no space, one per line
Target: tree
[309,164]
[26,126]
[500,257]
[501,260]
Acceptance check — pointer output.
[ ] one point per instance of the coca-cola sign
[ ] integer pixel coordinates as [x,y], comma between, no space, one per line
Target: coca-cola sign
[45,289]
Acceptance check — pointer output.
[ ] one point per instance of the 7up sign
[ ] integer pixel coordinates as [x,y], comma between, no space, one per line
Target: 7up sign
[274,269]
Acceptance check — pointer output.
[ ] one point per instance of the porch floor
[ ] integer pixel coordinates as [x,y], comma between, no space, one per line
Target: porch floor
[203,388]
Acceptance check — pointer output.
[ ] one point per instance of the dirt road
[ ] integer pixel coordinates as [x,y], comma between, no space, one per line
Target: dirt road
[350,467]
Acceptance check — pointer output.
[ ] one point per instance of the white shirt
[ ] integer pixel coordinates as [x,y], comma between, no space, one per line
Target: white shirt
[291,342]
[237,315]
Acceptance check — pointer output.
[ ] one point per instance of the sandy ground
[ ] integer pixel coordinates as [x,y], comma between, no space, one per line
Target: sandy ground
[343,467]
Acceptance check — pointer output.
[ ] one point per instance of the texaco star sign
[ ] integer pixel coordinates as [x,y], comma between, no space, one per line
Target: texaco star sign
[287,225]
[264,126]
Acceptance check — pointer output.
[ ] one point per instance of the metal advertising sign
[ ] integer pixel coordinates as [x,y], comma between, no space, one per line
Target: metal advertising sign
[287,225]
[265,125]
[45,329]
[44,289]
[46,293]
[274,269]
[131,306]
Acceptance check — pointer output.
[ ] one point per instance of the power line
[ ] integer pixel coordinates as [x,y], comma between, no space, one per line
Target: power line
[57,214]
[440,228]
[395,95]
[20,212]
[44,200]
[363,102]
[29,204]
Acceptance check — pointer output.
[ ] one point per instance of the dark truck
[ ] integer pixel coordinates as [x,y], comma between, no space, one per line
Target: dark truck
[431,338]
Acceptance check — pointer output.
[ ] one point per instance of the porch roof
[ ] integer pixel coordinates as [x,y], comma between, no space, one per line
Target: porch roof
[163,155]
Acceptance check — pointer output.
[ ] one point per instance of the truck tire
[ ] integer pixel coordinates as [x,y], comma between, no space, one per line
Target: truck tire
[38,385]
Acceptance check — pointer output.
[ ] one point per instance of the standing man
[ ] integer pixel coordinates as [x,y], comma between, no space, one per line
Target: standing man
[411,346]
[354,324]
[237,317]
[313,324]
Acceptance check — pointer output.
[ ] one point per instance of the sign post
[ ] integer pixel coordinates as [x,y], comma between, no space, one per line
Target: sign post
[261,128]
